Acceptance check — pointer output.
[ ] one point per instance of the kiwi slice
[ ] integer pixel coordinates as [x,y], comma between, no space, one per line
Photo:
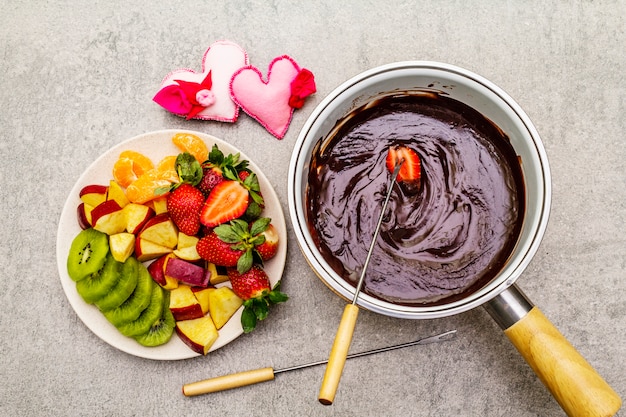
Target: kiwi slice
[97,285]
[123,289]
[160,331]
[137,302]
[87,255]
[151,314]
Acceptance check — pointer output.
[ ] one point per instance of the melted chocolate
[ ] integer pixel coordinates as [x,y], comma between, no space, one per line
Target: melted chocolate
[437,243]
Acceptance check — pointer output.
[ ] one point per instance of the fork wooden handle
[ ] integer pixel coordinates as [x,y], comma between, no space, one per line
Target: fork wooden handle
[338,354]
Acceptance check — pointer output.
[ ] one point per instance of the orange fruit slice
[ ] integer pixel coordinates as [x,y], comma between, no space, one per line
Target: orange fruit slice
[144,188]
[130,166]
[187,142]
[167,164]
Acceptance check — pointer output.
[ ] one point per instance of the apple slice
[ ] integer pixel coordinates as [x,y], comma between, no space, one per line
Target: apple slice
[188,254]
[122,246]
[146,250]
[159,205]
[161,230]
[183,304]
[137,215]
[217,274]
[186,241]
[186,272]
[157,271]
[83,212]
[223,303]
[117,193]
[199,334]
[202,295]
[93,194]
[108,217]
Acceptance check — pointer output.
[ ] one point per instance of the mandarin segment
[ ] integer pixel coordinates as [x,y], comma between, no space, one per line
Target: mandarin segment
[187,142]
[145,188]
[167,164]
[130,166]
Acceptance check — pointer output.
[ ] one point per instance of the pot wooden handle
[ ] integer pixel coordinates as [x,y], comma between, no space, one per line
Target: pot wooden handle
[222,383]
[575,385]
[338,354]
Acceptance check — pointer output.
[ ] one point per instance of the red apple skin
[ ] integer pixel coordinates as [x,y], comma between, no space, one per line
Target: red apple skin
[93,194]
[93,188]
[106,207]
[83,222]
[196,347]
[148,214]
[156,270]
[193,311]
[186,272]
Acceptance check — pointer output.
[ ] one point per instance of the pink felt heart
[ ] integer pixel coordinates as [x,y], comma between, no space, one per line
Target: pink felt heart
[222,59]
[267,102]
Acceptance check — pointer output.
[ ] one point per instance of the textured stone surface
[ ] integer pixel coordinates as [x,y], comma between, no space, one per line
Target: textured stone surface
[77,79]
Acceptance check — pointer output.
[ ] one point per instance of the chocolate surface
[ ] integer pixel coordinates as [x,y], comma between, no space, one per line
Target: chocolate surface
[437,243]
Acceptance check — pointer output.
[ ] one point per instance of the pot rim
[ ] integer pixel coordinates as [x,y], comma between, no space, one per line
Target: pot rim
[526,247]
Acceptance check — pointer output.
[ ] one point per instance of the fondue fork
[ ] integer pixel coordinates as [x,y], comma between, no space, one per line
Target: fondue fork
[242,379]
[343,338]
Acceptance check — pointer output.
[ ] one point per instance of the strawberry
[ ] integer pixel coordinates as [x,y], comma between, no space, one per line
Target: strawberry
[215,166]
[227,201]
[269,247]
[238,243]
[411,168]
[213,249]
[253,287]
[210,178]
[184,205]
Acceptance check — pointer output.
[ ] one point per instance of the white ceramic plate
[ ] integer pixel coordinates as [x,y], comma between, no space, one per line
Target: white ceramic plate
[155,145]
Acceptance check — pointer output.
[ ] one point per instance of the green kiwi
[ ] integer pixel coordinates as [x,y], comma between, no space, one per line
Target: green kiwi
[97,285]
[160,331]
[151,314]
[138,301]
[123,289]
[87,254]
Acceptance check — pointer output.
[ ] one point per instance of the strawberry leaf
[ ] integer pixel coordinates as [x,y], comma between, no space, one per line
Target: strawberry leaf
[253,211]
[245,261]
[216,157]
[276,297]
[260,225]
[248,319]
[259,307]
[188,169]
[227,233]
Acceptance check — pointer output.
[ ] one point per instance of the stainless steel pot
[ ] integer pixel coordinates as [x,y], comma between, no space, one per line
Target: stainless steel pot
[572,381]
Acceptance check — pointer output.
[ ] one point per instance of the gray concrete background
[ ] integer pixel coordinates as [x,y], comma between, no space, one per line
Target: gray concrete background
[78,78]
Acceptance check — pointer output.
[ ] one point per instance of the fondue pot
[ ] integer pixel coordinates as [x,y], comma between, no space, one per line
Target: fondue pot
[569,377]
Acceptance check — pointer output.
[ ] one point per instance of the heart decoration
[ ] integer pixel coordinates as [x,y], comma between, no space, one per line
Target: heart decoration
[227,82]
[267,101]
[205,95]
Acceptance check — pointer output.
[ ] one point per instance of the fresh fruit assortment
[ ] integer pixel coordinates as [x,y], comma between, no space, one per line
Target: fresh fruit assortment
[176,246]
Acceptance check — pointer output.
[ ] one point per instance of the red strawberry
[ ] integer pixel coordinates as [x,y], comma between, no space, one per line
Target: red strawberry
[251,284]
[267,249]
[213,249]
[184,205]
[254,288]
[210,178]
[411,167]
[216,165]
[227,201]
